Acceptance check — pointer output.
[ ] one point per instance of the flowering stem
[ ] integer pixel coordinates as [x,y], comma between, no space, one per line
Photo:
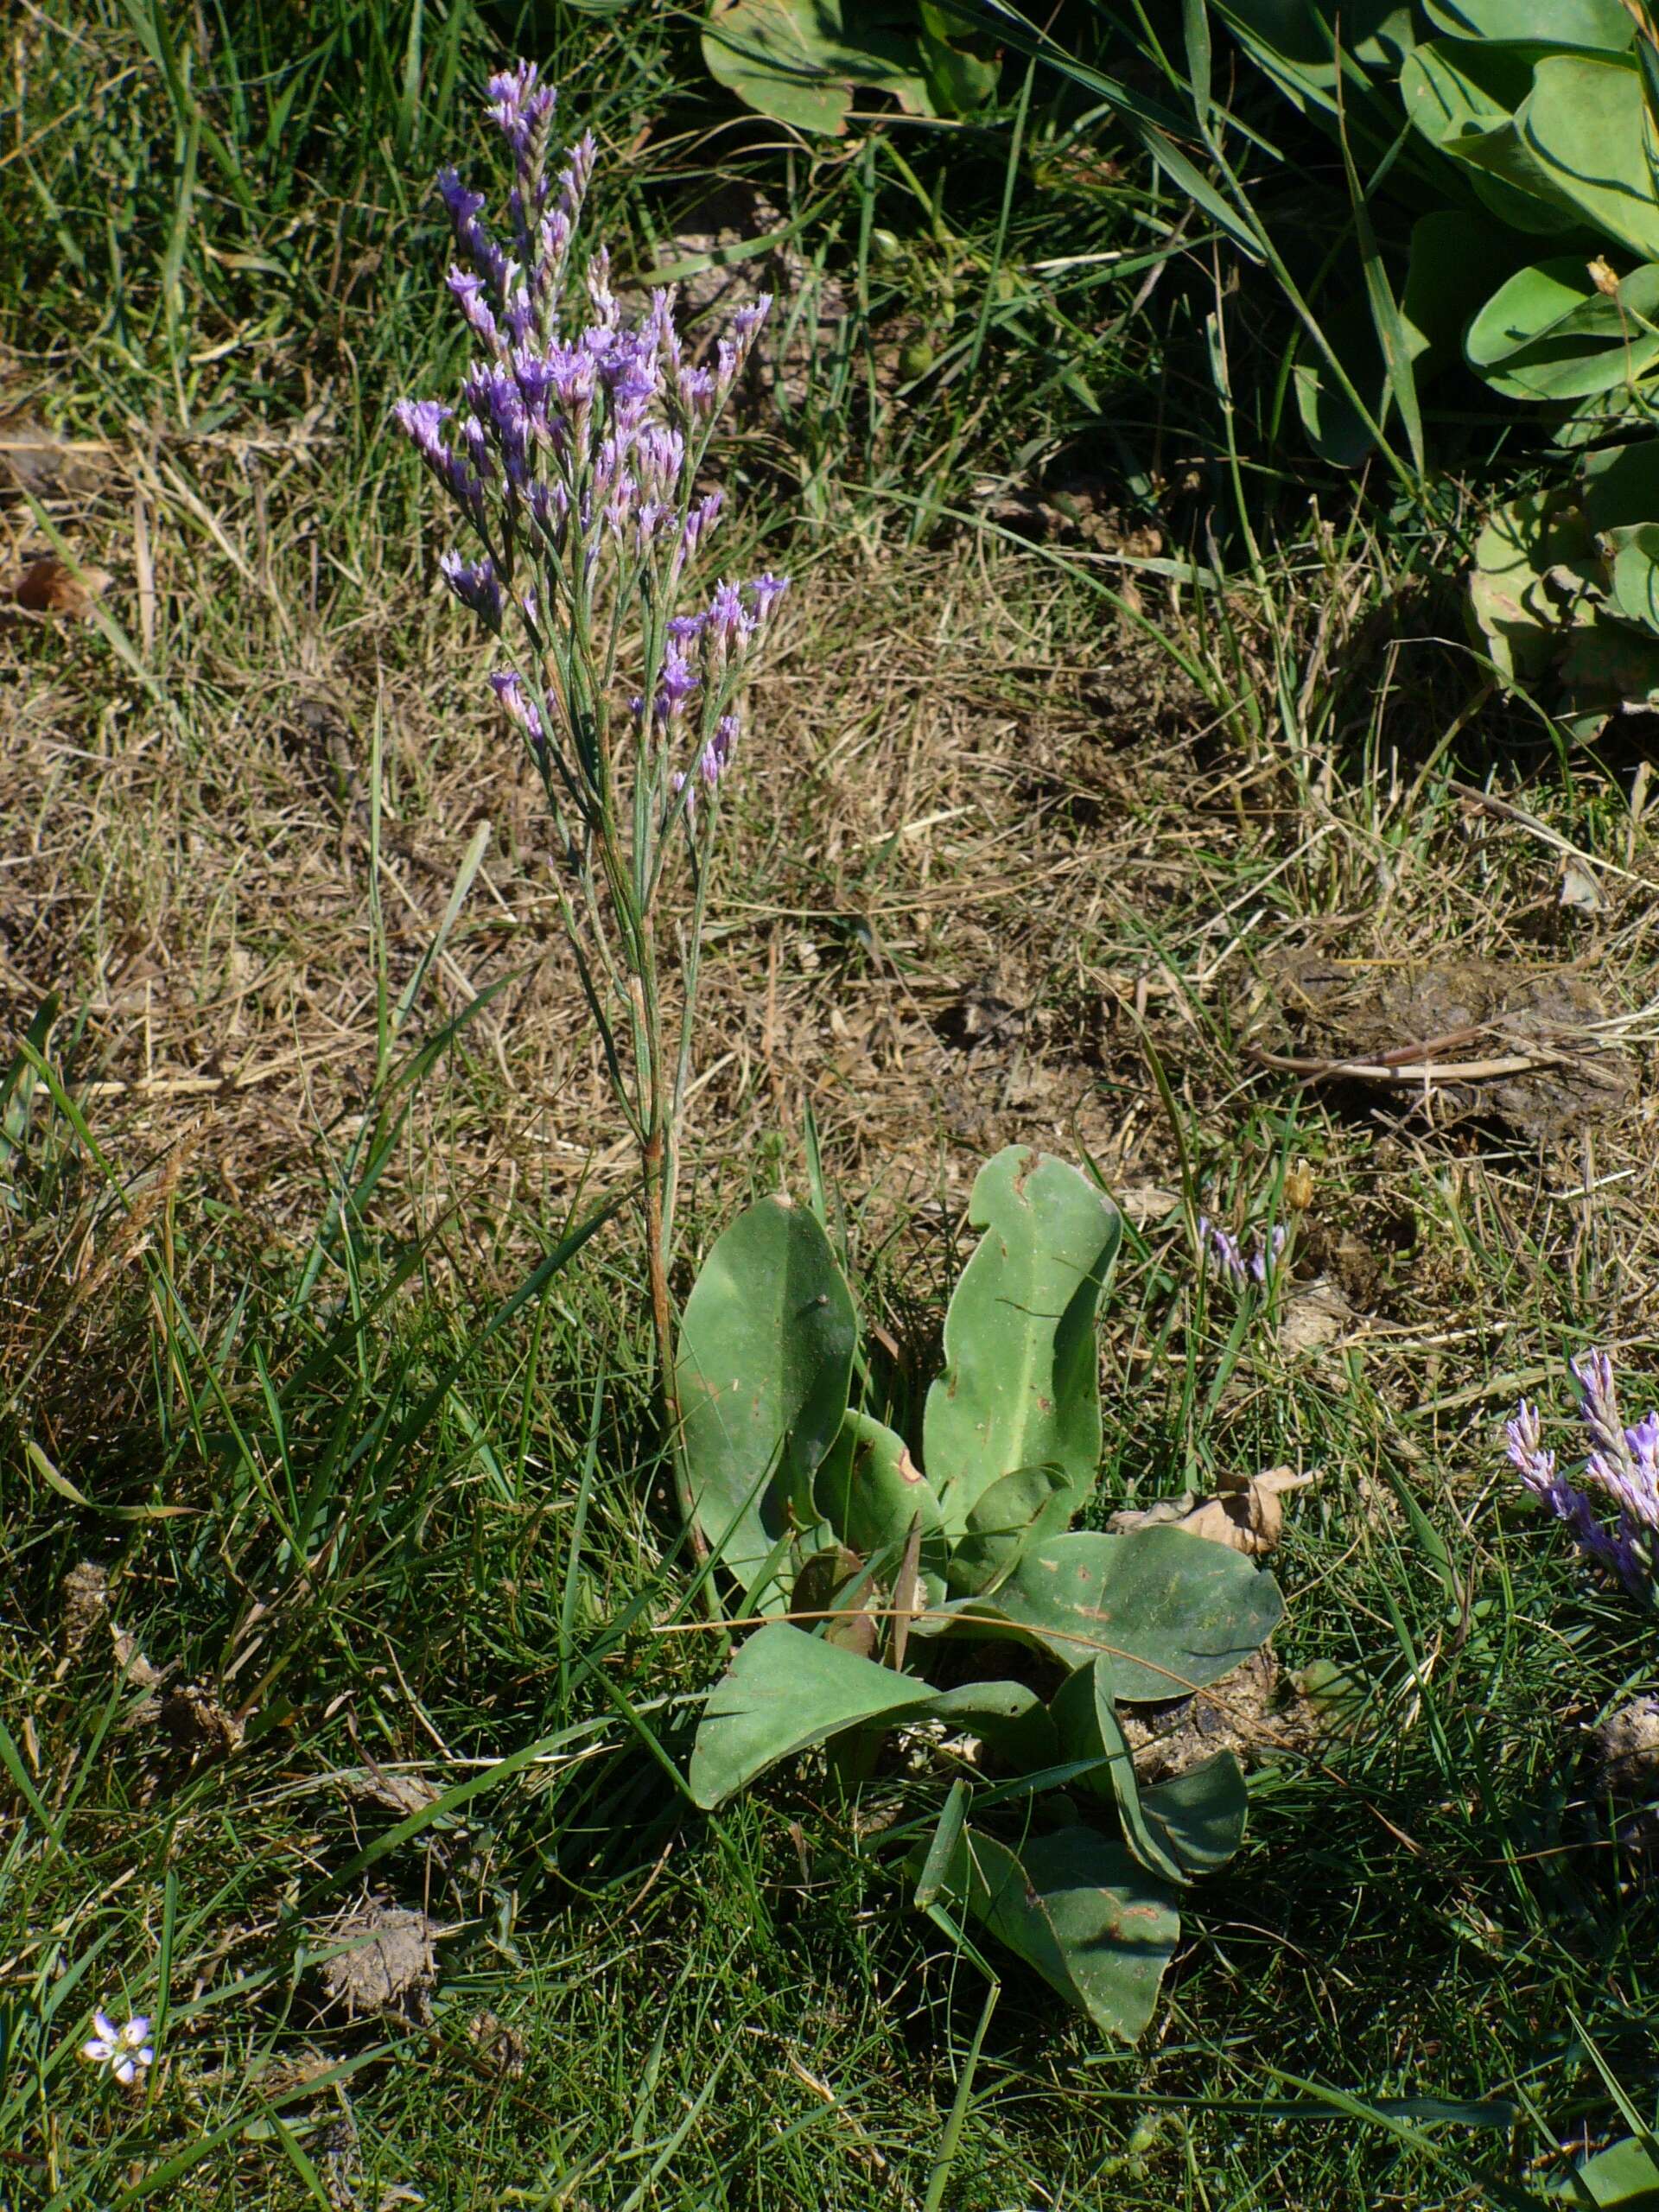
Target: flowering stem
[575,459]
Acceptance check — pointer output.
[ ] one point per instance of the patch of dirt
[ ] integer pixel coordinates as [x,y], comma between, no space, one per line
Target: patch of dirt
[382,1958]
[1258,1714]
[1626,1748]
[1534,1047]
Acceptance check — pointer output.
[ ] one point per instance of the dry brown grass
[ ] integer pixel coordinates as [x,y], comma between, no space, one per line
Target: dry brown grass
[993,854]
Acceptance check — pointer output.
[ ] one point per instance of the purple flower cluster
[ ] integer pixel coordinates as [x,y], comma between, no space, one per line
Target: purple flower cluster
[574,456]
[1623,1466]
[1225,1260]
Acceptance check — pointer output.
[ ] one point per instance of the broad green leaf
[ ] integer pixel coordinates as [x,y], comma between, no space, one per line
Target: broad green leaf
[801,61]
[1174,1612]
[764,1365]
[1636,572]
[1516,595]
[1075,1906]
[1294,43]
[1605,664]
[1024,1508]
[1085,1719]
[1548,333]
[1199,1816]
[1601,26]
[1586,121]
[960,76]
[786,1691]
[1437,302]
[869,1490]
[1020,1386]
[942,1850]
[835,1589]
[1621,486]
[1463,100]
[1336,429]
[1624,2175]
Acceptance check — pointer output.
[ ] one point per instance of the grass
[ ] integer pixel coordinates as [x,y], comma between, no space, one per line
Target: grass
[296,1355]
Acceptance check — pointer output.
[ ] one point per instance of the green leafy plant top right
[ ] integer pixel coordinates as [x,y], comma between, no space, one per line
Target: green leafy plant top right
[1537,119]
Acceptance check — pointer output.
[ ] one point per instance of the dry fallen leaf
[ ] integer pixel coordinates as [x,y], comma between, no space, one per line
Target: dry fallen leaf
[52,587]
[500,2047]
[130,1662]
[1580,887]
[1246,1512]
[199,1724]
[1626,1745]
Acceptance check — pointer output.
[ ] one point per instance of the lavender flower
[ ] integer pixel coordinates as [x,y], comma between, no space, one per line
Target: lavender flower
[575,453]
[126,2051]
[1220,1248]
[1227,1261]
[1622,1464]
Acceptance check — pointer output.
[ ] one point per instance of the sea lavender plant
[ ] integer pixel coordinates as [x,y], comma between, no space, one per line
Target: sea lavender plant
[575,460]
[1623,1466]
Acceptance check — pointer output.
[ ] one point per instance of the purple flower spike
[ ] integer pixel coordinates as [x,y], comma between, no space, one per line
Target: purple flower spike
[679,681]
[574,456]
[767,591]
[509,687]
[475,585]
[1623,1466]
[468,288]
[1221,1249]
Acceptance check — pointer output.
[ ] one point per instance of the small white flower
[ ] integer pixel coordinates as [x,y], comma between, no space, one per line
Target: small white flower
[125,2052]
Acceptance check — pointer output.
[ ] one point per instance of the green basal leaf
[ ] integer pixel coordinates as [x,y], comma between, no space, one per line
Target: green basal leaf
[1599,25]
[1549,334]
[1185,1826]
[1085,1719]
[786,1691]
[1463,100]
[1516,595]
[1623,2175]
[1173,1611]
[1021,1387]
[1024,1508]
[1295,44]
[1199,1816]
[1586,121]
[869,1491]
[1076,1907]
[1436,302]
[1636,572]
[1621,485]
[802,61]
[764,1366]
[961,72]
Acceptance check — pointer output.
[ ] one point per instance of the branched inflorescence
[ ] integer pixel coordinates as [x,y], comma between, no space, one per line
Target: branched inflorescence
[575,458]
[1623,1466]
